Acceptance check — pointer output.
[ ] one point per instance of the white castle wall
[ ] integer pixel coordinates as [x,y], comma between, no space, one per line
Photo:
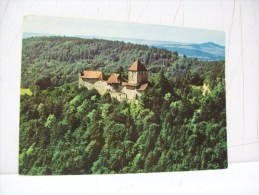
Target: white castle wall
[102,87]
[137,76]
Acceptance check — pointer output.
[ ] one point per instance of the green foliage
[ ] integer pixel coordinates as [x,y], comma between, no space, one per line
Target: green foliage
[67,130]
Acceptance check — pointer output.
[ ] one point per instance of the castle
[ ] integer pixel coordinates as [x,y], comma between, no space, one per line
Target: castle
[115,85]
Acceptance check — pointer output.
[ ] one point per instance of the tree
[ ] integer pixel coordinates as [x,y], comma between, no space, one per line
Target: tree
[43,82]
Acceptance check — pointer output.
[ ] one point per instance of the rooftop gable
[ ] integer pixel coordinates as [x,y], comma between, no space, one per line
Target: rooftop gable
[88,74]
[114,78]
[137,66]
[143,87]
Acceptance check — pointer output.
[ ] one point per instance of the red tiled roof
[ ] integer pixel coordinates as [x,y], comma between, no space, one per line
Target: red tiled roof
[139,87]
[114,78]
[86,74]
[143,87]
[137,66]
[129,84]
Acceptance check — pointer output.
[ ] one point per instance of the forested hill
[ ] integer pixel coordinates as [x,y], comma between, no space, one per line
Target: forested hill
[60,59]
[178,124]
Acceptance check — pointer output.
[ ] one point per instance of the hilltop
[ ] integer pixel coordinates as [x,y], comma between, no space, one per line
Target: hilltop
[203,51]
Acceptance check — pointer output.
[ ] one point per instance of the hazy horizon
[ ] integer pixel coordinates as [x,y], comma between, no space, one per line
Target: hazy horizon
[122,30]
[110,38]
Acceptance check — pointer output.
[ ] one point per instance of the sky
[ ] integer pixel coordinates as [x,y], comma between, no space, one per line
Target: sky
[102,28]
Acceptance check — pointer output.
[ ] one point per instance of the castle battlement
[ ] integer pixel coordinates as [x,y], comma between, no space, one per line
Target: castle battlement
[115,85]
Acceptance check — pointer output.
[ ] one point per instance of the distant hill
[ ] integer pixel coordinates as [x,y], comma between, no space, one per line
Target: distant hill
[205,51]
[62,58]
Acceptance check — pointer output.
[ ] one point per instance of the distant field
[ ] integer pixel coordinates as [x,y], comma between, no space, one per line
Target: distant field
[25,91]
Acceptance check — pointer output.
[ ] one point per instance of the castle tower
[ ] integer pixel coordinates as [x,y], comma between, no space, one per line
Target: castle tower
[137,73]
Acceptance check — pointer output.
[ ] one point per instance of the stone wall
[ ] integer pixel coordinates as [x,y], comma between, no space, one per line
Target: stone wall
[142,76]
[132,77]
[137,76]
[100,86]
[131,93]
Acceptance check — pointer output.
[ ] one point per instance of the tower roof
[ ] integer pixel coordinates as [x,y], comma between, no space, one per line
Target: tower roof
[137,66]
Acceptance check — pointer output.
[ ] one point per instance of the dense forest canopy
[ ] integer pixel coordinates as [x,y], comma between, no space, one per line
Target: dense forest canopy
[178,124]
